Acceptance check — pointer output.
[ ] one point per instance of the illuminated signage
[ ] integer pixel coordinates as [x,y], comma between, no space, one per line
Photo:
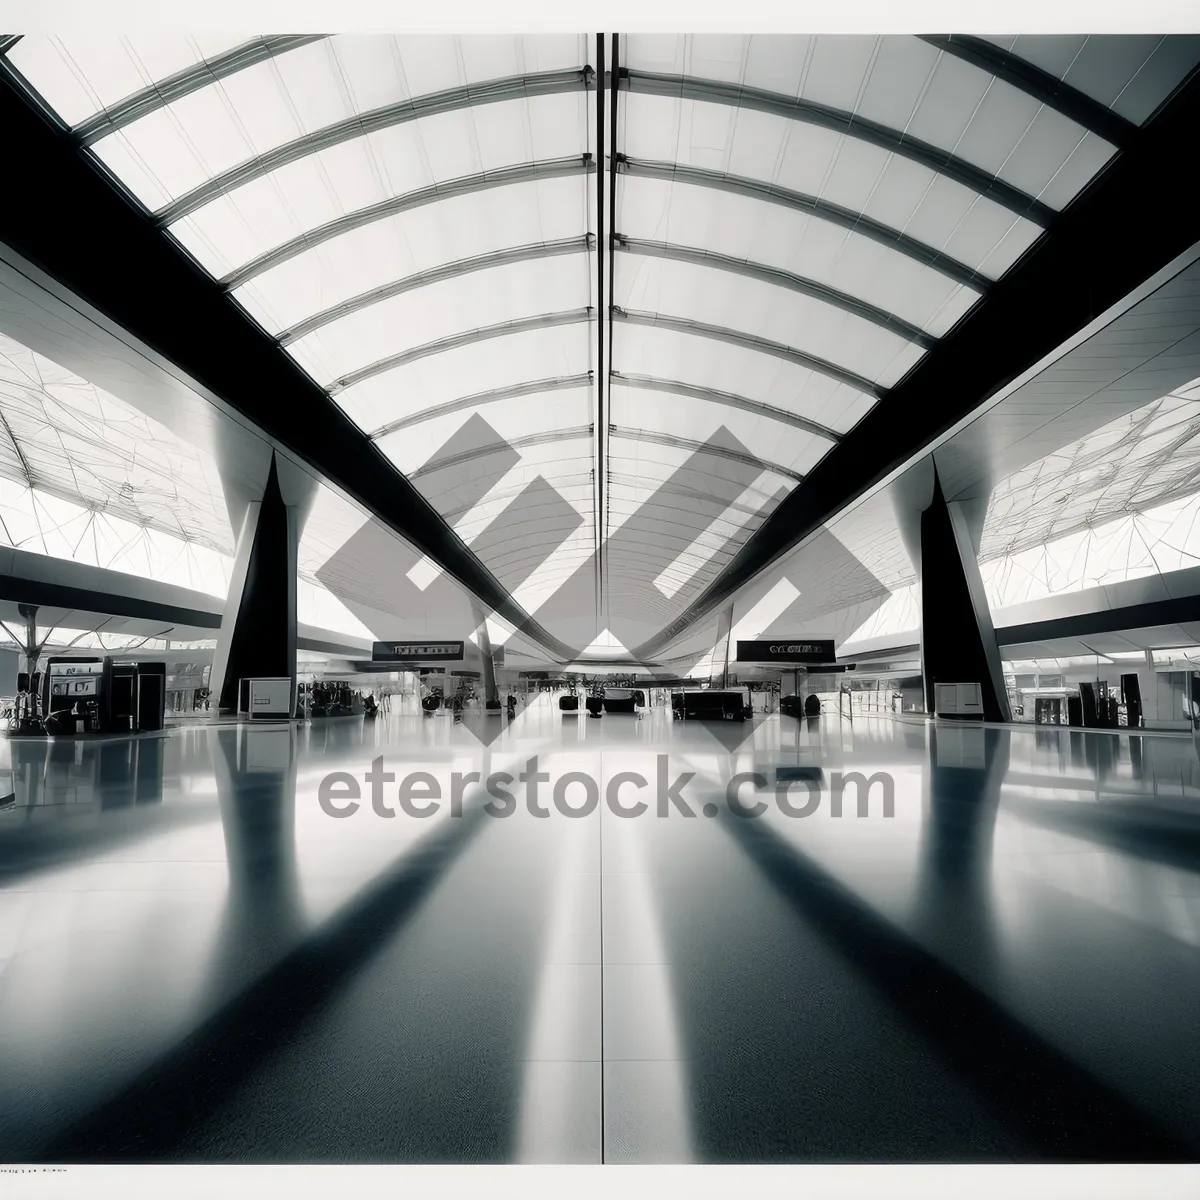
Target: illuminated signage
[417,652]
[785,650]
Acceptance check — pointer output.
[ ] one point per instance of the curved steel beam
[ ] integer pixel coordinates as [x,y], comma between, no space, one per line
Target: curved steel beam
[893,141]
[835,214]
[674,387]
[575,434]
[1041,85]
[564,485]
[183,83]
[733,337]
[517,87]
[669,487]
[537,387]
[573,316]
[451,270]
[551,168]
[694,447]
[784,279]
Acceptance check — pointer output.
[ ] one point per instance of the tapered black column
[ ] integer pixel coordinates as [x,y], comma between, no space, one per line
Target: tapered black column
[491,690]
[719,674]
[958,640]
[258,630]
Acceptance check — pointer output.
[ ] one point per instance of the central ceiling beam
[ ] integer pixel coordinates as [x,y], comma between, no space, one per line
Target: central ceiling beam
[837,120]
[614,98]
[604,219]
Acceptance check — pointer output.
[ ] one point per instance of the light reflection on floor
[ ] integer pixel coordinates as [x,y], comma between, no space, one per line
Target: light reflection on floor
[197,963]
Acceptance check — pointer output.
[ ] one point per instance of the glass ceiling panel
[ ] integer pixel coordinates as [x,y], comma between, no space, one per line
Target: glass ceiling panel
[528,509]
[900,83]
[1156,540]
[571,554]
[556,535]
[818,162]
[513,419]
[657,412]
[519,521]
[298,198]
[760,232]
[485,366]
[161,159]
[652,464]
[658,511]
[562,460]
[39,522]
[65,437]
[1147,457]
[420,240]
[421,318]
[80,74]
[704,363]
[759,309]
[571,480]
[256,110]
[709,551]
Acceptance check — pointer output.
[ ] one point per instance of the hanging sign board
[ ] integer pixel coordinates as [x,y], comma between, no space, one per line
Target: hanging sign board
[785,650]
[417,652]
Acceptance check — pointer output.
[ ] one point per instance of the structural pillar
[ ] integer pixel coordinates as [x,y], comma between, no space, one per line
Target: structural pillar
[491,691]
[32,647]
[719,676]
[958,639]
[259,627]
[1148,686]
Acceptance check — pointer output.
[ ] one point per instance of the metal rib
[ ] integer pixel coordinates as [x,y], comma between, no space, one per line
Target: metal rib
[1039,84]
[184,83]
[784,279]
[452,270]
[845,218]
[691,494]
[536,387]
[674,387]
[838,120]
[518,87]
[470,337]
[8,41]
[694,447]
[554,168]
[518,443]
[733,337]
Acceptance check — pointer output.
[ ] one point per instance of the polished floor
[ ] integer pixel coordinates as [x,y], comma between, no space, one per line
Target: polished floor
[199,964]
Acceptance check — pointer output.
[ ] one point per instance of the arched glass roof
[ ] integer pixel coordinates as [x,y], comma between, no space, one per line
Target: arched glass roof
[581,265]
